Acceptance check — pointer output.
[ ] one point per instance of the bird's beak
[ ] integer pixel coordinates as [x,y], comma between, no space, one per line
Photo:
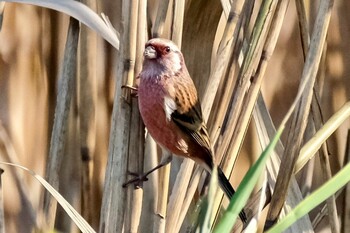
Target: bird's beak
[150,52]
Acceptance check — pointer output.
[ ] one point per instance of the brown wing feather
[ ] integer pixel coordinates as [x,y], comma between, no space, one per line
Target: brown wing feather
[188,116]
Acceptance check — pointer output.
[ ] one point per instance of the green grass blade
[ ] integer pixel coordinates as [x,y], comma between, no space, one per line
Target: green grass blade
[208,203]
[317,197]
[245,188]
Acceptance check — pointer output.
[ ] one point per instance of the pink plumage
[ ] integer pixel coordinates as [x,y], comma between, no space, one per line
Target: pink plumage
[151,103]
[166,87]
[170,108]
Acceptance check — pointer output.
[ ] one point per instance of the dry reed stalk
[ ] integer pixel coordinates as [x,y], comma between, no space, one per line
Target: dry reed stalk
[317,114]
[224,52]
[198,174]
[151,188]
[327,173]
[87,95]
[252,95]
[8,153]
[114,197]
[23,104]
[307,178]
[266,130]
[135,212]
[222,77]
[323,212]
[201,19]
[226,87]
[235,131]
[137,134]
[303,25]
[70,172]
[226,7]
[177,22]
[59,133]
[163,193]
[2,7]
[178,195]
[240,116]
[135,164]
[141,35]
[52,22]
[2,215]
[314,144]
[227,56]
[300,116]
[305,41]
[158,27]
[345,227]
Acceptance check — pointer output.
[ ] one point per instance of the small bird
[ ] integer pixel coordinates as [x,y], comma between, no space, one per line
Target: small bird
[170,108]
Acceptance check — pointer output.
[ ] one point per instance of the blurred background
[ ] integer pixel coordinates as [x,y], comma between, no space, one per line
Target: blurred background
[32,41]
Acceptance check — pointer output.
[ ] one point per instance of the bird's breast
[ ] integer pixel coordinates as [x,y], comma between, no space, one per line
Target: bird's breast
[151,94]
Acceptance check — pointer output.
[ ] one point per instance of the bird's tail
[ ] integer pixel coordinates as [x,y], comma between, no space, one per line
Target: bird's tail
[229,191]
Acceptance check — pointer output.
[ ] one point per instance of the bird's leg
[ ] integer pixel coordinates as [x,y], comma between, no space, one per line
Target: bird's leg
[143,177]
[133,90]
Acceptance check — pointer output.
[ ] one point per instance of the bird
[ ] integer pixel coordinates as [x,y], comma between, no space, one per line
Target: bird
[171,111]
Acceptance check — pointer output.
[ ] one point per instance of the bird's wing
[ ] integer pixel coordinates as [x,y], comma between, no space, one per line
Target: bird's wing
[186,113]
[192,124]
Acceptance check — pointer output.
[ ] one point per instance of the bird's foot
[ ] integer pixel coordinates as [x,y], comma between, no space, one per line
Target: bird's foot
[133,90]
[137,180]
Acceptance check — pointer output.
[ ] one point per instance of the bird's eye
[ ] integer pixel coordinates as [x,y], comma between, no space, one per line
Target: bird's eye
[167,49]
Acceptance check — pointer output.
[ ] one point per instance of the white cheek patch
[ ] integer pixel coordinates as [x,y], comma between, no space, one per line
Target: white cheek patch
[176,63]
[169,107]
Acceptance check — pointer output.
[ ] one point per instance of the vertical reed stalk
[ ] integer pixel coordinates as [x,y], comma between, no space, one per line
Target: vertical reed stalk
[300,115]
[59,133]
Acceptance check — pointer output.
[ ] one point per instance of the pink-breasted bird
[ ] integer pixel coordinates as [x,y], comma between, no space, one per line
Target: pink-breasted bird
[170,108]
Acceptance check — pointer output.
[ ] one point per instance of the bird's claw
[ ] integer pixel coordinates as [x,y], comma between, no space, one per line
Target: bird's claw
[137,181]
[133,90]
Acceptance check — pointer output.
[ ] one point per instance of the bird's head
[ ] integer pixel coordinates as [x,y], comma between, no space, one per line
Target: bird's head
[163,55]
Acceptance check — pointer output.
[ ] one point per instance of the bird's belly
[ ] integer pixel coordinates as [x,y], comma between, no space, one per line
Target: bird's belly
[164,131]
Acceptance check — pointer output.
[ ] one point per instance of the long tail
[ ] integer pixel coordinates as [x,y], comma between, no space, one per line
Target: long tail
[229,191]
